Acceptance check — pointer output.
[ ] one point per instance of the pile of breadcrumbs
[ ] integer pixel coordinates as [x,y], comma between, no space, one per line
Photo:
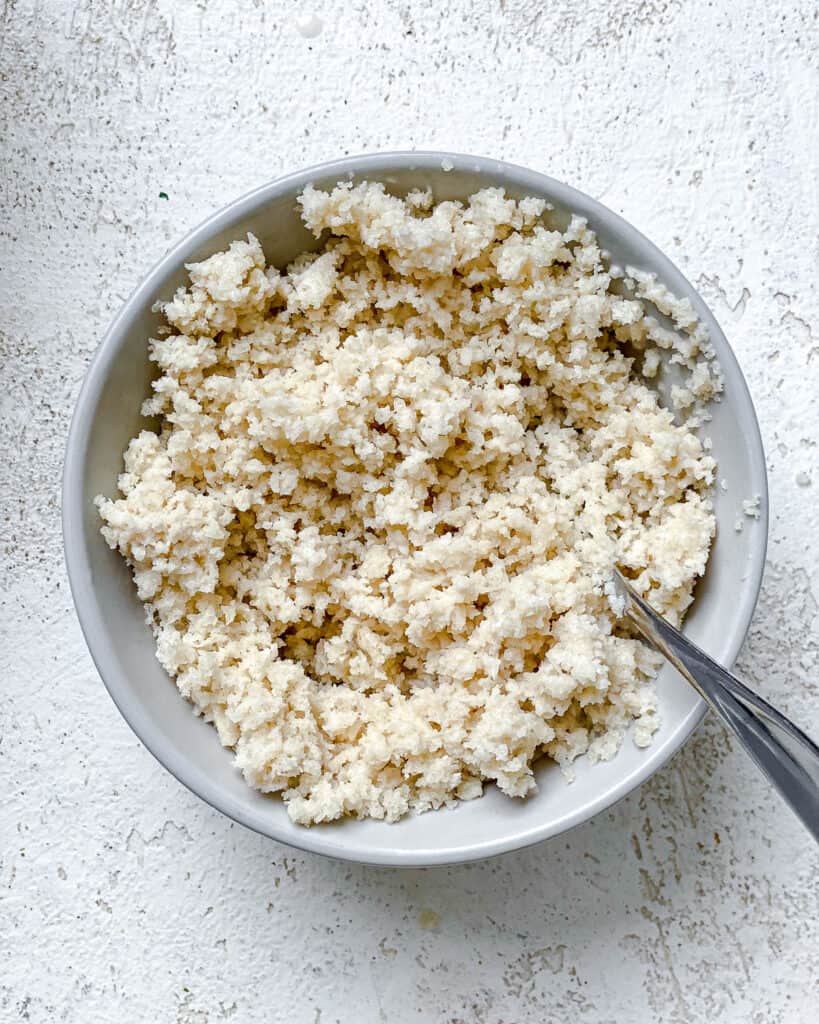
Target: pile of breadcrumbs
[374,531]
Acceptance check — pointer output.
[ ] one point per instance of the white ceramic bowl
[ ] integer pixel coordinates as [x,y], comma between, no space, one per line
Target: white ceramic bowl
[107,416]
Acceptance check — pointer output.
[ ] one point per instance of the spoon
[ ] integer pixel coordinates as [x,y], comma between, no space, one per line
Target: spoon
[788,757]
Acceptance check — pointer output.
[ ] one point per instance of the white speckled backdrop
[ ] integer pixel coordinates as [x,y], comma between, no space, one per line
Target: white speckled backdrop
[122,124]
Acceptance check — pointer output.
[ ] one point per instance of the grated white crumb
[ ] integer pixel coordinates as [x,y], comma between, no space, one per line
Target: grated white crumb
[687,341]
[371,531]
[803,479]
[617,601]
[750,507]
[447,165]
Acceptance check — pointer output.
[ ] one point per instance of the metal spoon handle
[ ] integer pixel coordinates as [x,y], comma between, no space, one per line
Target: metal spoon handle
[785,754]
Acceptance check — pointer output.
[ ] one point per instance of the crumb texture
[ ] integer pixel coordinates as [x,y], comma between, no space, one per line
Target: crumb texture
[374,532]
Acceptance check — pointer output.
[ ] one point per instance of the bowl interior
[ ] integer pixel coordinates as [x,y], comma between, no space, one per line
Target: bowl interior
[113,620]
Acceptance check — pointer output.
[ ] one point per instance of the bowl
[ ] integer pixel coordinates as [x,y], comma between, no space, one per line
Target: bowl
[113,621]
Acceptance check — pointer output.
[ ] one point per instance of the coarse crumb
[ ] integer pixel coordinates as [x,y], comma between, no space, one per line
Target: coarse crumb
[750,507]
[374,532]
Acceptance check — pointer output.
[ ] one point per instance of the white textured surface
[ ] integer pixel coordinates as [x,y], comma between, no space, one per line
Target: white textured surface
[124,897]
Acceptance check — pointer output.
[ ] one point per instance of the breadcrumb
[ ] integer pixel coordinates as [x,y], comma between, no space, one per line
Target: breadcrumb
[750,507]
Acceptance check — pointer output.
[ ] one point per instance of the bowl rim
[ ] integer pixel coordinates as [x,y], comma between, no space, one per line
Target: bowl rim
[78,562]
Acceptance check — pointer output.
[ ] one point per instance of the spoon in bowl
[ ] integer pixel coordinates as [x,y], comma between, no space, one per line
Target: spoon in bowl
[788,757]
